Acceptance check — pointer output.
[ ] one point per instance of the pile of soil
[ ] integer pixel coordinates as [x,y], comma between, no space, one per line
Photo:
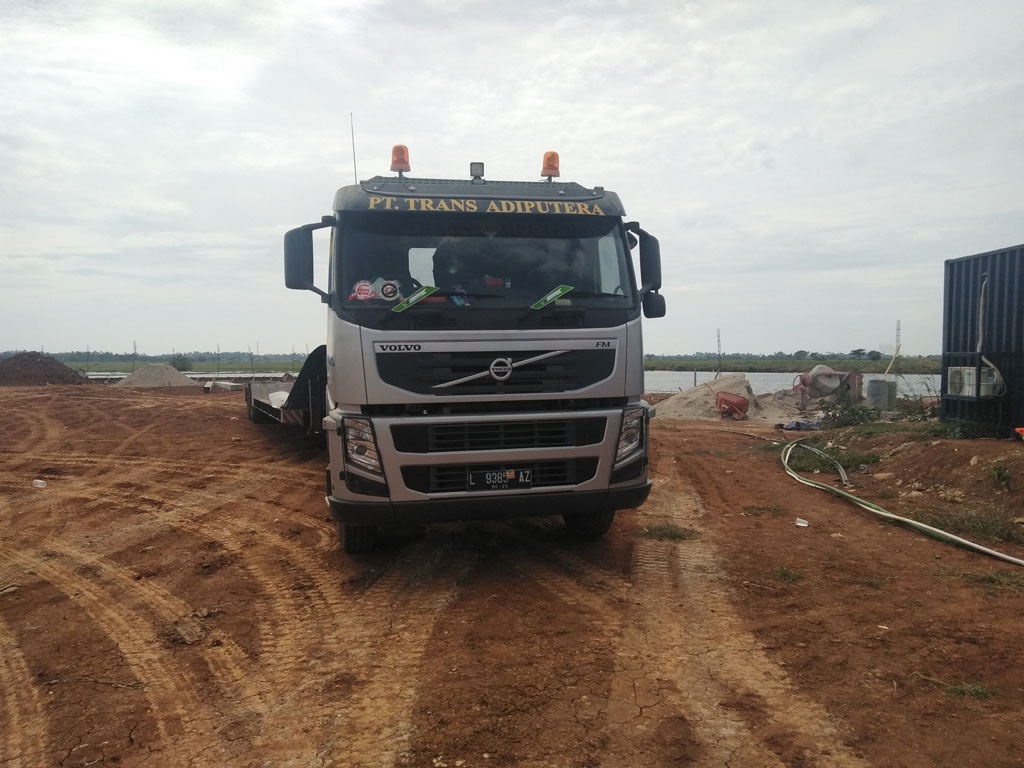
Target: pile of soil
[699,402]
[157,375]
[27,369]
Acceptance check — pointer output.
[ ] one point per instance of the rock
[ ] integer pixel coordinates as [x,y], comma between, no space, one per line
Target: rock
[975,460]
[883,475]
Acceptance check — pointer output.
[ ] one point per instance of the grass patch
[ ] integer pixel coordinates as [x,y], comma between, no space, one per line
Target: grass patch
[994,580]
[963,689]
[757,511]
[994,524]
[851,460]
[1000,475]
[870,582]
[957,430]
[788,575]
[668,532]
[877,428]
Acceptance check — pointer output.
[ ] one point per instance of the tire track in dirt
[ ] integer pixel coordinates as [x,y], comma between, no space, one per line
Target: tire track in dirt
[741,705]
[317,632]
[26,732]
[151,466]
[169,690]
[228,663]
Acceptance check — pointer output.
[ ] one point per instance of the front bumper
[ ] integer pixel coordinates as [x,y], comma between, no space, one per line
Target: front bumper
[489,507]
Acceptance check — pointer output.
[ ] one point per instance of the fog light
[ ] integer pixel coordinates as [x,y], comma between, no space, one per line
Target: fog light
[361,446]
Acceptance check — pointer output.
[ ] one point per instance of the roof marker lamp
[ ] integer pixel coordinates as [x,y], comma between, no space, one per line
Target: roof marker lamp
[550,168]
[476,170]
[361,446]
[400,159]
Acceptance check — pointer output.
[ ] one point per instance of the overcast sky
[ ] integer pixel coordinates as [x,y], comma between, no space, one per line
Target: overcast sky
[807,166]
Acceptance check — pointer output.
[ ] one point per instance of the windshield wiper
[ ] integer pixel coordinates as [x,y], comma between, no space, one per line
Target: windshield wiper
[597,294]
[555,293]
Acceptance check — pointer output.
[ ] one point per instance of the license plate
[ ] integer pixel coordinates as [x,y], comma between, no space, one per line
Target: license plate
[500,479]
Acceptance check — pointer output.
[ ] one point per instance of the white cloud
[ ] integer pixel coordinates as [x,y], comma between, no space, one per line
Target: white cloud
[790,157]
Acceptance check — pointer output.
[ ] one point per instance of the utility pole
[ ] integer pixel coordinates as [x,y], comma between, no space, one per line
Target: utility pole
[719,371]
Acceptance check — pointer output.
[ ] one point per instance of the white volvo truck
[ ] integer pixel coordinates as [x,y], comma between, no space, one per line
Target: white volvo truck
[484,355]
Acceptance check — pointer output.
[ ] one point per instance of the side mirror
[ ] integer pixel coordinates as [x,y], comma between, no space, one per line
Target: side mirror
[650,259]
[298,257]
[650,263]
[654,305]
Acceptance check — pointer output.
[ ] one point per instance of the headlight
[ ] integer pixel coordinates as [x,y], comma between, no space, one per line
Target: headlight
[631,435]
[360,445]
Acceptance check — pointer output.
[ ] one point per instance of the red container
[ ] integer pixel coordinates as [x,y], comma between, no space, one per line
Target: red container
[729,404]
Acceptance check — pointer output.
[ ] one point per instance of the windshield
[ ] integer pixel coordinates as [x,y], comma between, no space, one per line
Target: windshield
[480,261]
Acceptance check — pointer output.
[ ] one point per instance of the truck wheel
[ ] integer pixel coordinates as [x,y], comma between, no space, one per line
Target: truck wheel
[589,525]
[356,538]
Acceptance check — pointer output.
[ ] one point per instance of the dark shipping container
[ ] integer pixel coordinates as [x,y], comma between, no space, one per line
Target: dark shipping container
[983,329]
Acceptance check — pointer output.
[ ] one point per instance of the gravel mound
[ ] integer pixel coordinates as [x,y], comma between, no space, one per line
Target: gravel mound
[157,375]
[28,369]
[699,402]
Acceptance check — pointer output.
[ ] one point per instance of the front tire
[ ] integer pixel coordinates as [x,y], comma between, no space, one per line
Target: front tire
[589,525]
[356,538]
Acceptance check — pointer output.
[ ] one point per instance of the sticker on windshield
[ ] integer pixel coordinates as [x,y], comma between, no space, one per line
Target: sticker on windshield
[550,296]
[363,291]
[419,295]
[389,290]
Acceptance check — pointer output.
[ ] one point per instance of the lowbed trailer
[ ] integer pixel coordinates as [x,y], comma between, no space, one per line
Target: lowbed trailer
[302,401]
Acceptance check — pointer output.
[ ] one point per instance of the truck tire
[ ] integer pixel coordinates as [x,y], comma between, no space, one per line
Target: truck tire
[589,525]
[356,538]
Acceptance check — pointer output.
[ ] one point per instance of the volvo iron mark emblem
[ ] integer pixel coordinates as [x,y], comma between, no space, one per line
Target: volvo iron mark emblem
[501,368]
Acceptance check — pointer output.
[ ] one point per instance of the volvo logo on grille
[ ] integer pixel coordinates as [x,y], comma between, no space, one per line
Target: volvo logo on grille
[399,347]
[501,368]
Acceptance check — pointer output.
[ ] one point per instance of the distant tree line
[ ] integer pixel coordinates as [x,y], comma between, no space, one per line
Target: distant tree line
[167,357]
[863,360]
[800,354]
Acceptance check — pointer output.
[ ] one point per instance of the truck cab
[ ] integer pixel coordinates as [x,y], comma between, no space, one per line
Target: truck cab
[484,354]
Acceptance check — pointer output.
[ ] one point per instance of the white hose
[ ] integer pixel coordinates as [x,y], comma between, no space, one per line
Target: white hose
[936,532]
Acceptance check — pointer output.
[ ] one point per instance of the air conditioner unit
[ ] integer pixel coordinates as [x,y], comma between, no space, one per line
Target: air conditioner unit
[960,381]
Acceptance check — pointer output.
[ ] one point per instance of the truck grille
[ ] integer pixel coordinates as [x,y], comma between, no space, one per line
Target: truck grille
[447,478]
[496,436]
[421,372]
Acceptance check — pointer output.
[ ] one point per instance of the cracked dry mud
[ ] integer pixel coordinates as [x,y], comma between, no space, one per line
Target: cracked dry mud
[174,596]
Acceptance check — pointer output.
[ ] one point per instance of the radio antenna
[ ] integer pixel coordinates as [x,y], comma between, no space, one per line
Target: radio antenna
[352,131]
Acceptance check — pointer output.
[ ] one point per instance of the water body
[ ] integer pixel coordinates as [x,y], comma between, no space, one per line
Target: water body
[909,385]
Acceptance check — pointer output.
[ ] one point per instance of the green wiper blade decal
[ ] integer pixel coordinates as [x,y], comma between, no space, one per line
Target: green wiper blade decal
[547,298]
[419,295]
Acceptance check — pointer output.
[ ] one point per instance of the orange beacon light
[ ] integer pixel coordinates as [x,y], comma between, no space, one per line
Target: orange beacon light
[550,168]
[400,158]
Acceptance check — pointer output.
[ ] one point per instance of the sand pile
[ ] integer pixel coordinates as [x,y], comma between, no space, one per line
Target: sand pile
[699,402]
[157,375]
[27,369]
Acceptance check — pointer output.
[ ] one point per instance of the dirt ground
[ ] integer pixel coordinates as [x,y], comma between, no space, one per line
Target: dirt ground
[175,596]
